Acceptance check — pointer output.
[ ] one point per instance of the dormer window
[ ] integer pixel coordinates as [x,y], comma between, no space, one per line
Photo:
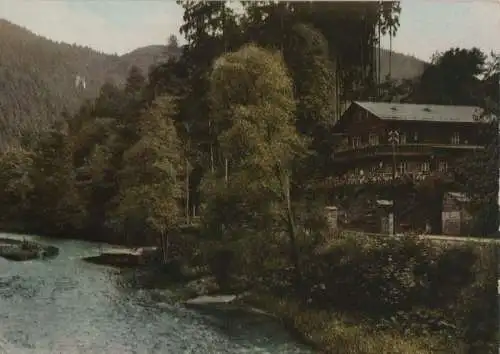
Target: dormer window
[455,138]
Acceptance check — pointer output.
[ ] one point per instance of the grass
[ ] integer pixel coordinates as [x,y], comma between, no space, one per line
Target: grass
[330,332]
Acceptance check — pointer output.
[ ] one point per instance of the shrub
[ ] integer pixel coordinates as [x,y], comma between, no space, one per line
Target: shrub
[476,310]
[386,275]
[331,332]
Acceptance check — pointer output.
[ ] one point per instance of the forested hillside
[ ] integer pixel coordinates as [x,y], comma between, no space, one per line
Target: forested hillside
[400,66]
[39,77]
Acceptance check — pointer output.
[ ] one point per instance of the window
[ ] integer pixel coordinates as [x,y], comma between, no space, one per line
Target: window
[455,138]
[443,166]
[425,166]
[373,139]
[402,138]
[415,136]
[402,167]
[356,141]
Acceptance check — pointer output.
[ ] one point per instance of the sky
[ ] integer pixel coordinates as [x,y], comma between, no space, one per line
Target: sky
[120,26]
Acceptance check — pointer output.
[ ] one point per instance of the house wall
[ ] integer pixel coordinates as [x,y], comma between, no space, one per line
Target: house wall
[428,144]
[360,123]
[436,133]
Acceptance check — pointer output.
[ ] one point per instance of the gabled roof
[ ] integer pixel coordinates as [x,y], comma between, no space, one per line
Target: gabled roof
[422,112]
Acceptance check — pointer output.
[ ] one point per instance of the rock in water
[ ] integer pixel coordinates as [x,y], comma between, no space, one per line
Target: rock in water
[15,250]
[211,300]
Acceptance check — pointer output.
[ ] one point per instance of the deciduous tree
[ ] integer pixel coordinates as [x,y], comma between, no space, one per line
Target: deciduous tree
[150,182]
[254,111]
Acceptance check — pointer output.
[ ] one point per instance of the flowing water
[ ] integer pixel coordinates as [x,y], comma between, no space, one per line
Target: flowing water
[67,306]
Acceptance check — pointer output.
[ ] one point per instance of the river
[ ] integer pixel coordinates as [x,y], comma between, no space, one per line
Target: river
[67,306]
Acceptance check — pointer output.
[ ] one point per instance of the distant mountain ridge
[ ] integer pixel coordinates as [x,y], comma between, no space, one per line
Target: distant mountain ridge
[401,66]
[41,78]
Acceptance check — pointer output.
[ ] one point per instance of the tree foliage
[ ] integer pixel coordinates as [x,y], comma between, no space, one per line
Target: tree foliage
[452,78]
[148,195]
[253,108]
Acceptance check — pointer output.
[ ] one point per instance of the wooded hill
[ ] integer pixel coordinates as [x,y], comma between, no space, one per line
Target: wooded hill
[38,77]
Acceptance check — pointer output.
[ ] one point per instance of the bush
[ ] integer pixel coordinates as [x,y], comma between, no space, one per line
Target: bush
[407,281]
[331,332]
[372,274]
[476,310]
[220,263]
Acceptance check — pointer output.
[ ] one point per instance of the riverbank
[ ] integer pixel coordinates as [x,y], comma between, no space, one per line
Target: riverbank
[400,296]
[116,312]
[321,330]
[329,326]
[330,332]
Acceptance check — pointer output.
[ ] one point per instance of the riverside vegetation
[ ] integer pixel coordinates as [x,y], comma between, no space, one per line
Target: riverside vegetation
[235,129]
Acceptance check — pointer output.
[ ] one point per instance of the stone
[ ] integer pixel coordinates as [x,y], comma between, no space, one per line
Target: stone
[16,250]
[202,286]
[209,300]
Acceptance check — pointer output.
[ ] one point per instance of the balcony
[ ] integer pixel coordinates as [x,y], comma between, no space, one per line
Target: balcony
[381,178]
[348,153]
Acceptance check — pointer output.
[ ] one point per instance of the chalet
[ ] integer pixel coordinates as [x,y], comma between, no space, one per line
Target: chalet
[383,144]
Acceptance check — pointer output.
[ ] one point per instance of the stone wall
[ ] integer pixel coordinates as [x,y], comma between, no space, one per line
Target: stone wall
[332,218]
[455,218]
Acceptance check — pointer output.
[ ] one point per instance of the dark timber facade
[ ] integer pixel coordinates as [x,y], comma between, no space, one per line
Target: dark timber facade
[426,140]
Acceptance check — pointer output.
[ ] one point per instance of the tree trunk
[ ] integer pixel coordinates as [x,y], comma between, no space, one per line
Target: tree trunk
[164,246]
[212,167]
[187,191]
[292,234]
[226,170]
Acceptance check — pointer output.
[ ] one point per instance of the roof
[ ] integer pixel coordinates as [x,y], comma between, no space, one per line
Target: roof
[422,112]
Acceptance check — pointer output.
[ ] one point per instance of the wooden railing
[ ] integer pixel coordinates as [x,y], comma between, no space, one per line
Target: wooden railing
[348,153]
[380,178]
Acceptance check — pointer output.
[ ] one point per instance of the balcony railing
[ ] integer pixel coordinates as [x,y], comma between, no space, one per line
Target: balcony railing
[348,153]
[381,178]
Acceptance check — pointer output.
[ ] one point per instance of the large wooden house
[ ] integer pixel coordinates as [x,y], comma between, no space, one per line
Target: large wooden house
[383,144]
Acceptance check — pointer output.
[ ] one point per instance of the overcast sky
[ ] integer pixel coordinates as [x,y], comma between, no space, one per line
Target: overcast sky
[119,26]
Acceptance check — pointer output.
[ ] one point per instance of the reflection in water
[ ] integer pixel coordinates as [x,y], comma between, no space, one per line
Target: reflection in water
[67,306]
